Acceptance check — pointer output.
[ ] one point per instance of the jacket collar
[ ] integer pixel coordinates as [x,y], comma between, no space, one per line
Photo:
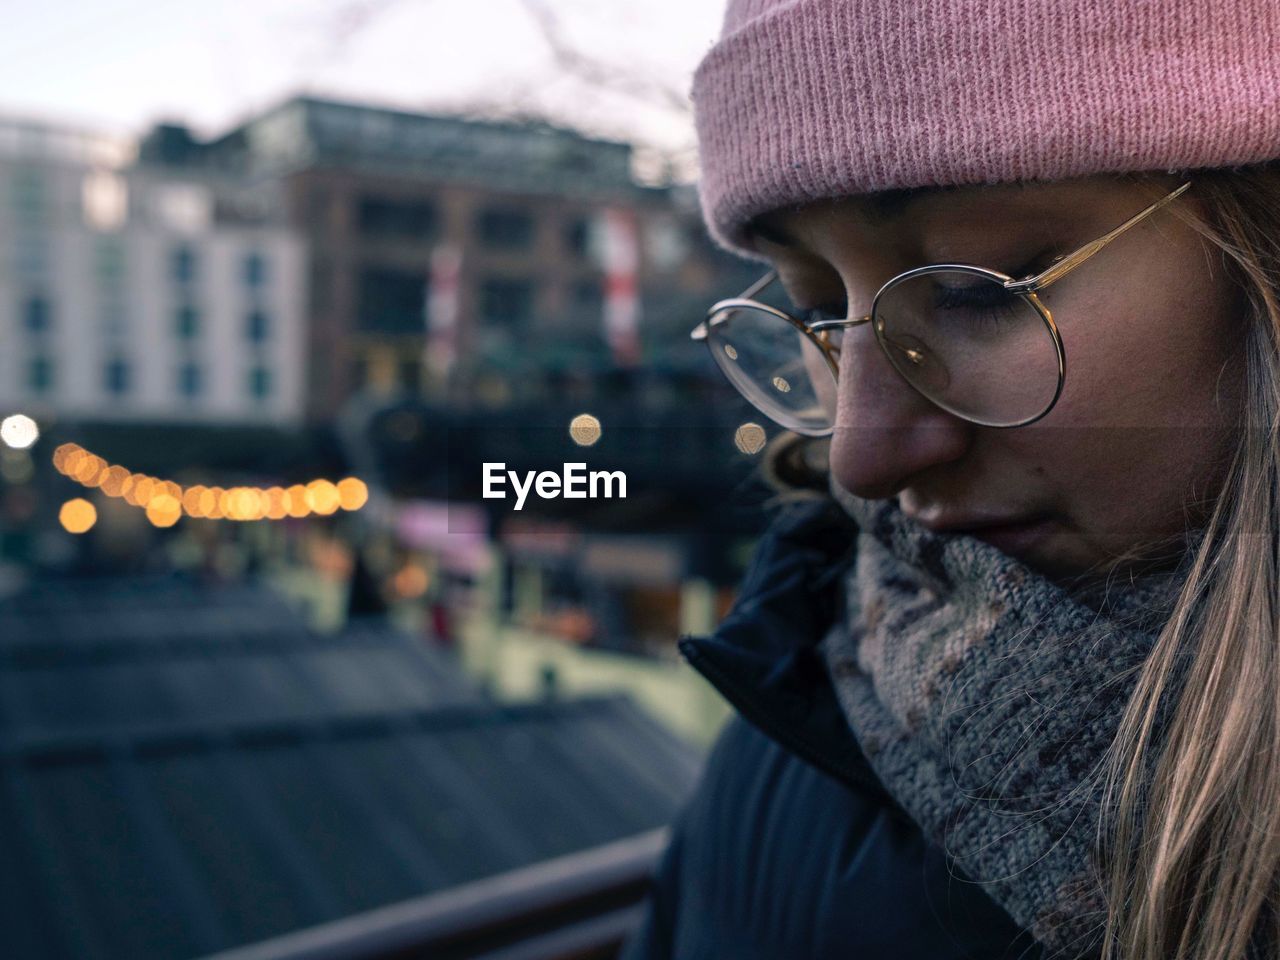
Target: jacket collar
[763,657]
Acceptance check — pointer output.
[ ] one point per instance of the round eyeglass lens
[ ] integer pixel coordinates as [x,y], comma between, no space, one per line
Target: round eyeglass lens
[776,366]
[970,346]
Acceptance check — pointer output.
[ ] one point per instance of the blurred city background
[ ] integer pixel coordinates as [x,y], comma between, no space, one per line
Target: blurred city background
[276,278]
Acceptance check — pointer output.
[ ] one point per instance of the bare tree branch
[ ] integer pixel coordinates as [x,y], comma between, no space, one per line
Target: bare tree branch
[601,73]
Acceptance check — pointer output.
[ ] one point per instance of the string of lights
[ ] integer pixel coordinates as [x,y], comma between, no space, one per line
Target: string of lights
[166,502]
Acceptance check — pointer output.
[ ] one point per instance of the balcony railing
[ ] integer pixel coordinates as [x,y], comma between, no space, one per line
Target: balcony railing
[578,907]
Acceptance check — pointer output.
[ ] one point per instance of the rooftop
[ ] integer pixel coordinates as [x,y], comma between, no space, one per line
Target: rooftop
[184,769]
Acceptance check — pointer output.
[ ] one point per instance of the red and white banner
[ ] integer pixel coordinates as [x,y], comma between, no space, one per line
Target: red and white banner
[621,290]
[441,347]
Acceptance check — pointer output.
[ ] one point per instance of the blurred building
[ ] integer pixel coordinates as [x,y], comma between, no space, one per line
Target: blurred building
[143,294]
[475,261]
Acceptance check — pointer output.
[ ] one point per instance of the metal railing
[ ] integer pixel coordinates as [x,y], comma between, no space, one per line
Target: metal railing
[577,907]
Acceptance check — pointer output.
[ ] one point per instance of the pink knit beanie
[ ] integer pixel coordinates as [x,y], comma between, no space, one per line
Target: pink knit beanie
[808,99]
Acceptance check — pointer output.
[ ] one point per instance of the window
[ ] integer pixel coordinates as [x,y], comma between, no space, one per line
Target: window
[255,270]
[186,322]
[30,193]
[40,374]
[258,326]
[109,261]
[190,380]
[391,301]
[505,229]
[577,237]
[115,377]
[403,219]
[260,383]
[182,264]
[506,301]
[37,314]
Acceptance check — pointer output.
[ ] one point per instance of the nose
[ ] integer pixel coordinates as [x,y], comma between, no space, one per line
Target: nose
[885,431]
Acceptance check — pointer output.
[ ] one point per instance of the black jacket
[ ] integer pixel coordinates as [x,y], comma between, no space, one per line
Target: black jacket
[790,848]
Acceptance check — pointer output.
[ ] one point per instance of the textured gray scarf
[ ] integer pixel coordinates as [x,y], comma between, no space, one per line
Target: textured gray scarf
[984,696]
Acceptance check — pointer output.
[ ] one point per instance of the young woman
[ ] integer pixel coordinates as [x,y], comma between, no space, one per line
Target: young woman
[1012,687]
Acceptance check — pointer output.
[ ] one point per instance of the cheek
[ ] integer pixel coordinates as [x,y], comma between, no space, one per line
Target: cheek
[1144,419]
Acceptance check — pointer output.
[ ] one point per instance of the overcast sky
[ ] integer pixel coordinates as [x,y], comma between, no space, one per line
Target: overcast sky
[118,65]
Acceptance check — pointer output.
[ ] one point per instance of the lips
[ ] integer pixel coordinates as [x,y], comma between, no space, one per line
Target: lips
[1012,535]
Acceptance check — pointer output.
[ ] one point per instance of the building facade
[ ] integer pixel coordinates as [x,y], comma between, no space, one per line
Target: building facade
[475,261]
[135,293]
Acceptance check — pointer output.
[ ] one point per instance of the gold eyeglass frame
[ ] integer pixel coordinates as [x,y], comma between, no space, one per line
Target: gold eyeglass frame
[819,332]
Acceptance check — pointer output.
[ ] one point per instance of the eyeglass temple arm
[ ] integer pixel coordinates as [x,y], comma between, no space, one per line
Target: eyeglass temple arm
[1061,268]
[759,285]
[700,331]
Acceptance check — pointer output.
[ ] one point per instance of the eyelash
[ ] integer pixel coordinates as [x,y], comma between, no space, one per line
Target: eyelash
[839,309]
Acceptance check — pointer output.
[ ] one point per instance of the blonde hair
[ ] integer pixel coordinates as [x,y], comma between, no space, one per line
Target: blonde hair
[1190,837]
[1189,840]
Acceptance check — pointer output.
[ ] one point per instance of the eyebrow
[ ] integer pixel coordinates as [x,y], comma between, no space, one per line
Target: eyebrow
[880,207]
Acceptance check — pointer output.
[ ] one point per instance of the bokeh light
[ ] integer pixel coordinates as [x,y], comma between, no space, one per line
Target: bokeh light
[19,431]
[276,508]
[165,501]
[114,480]
[585,429]
[163,510]
[322,497]
[411,581]
[352,493]
[77,516]
[749,438]
[296,501]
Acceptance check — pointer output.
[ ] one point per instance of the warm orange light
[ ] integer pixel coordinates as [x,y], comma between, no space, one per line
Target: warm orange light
[144,488]
[217,509]
[208,504]
[246,504]
[164,510]
[352,493]
[113,481]
[61,455]
[191,501]
[239,503]
[89,468]
[411,581]
[322,497]
[296,501]
[77,516]
[275,507]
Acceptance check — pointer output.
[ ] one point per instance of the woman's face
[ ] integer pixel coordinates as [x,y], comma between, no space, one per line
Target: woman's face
[1148,410]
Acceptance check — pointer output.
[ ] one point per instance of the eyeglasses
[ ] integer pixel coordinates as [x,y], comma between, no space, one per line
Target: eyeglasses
[975,342]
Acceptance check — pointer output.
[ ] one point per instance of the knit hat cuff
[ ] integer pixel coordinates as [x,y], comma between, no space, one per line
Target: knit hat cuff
[809,99]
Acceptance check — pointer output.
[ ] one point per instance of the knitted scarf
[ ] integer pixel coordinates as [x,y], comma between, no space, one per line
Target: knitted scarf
[984,696]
